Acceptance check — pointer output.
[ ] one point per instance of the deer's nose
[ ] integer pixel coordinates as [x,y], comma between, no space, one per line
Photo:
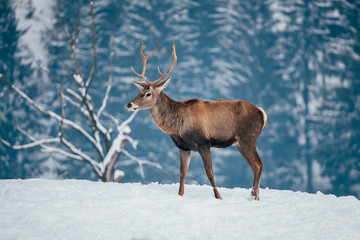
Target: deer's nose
[132,107]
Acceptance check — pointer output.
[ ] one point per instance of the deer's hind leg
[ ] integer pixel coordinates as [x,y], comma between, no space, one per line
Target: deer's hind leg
[248,151]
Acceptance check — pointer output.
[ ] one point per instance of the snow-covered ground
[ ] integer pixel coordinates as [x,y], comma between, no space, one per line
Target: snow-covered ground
[73,209]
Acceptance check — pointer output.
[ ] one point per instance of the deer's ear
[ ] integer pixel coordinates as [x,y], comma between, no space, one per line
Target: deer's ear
[163,84]
[140,85]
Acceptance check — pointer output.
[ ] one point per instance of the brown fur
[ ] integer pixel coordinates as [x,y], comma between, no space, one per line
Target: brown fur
[197,125]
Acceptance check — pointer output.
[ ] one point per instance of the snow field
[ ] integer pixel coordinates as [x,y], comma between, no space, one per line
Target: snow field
[74,209]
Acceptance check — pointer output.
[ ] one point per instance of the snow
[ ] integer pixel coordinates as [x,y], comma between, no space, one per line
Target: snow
[75,209]
[77,77]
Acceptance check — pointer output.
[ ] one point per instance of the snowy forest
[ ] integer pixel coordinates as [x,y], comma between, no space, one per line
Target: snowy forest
[65,69]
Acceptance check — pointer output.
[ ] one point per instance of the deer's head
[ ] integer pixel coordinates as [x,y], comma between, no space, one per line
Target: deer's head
[150,91]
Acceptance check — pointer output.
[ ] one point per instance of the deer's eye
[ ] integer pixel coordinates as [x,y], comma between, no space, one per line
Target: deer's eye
[148,95]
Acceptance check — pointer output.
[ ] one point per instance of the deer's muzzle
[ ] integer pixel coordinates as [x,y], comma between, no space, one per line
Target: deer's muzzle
[132,107]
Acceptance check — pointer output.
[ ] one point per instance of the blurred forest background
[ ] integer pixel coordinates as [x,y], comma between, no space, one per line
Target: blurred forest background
[299,60]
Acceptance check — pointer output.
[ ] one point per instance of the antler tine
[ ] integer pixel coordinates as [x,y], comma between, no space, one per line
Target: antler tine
[163,75]
[144,58]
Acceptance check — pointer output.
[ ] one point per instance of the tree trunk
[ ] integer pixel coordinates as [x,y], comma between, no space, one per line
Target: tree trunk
[109,169]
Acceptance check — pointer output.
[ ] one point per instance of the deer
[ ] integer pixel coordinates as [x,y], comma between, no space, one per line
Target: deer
[197,125]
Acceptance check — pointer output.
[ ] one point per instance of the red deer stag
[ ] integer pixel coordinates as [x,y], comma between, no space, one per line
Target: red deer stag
[197,125]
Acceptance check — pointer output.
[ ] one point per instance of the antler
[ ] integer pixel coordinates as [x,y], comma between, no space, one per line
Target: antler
[144,58]
[163,75]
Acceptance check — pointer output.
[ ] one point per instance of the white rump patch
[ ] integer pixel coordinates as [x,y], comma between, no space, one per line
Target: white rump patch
[264,116]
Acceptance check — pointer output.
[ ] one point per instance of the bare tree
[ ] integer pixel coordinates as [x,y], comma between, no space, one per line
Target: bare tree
[101,138]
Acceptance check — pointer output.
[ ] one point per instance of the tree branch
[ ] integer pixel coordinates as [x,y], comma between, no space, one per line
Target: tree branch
[95,165]
[61,133]
[139,162]
[117,148]
[40,143]
[56,117]
[112,118]
[93,69]
[72,40]
[74,94]
[75,104]
[30,145]
[106,97]
[127,121]
[76,153]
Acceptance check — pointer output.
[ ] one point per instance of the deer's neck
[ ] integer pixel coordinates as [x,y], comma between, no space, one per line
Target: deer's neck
[167,114]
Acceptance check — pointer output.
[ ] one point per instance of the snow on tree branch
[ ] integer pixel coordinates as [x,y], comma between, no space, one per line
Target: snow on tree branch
[76,153]
[106,97]
[32,144]
[56,117]
[140,162]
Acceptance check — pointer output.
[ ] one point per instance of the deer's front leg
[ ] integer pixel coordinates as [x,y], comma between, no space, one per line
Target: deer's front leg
[184,166]
[206,157]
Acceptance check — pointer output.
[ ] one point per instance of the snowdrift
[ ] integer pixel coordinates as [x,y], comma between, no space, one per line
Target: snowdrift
[73,209]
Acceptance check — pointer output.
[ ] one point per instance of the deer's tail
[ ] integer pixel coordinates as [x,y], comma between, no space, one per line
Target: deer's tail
[264,116]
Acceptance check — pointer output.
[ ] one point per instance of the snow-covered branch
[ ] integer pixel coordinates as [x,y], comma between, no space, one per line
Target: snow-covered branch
[75,104]
[83,87]
[127,121]
[85,157]
[75,154]
[112,118]
[74,94]
[140,162]
[57,117]
[106,97]
[118,147]
[118,144]
[93,69]
[33,144]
